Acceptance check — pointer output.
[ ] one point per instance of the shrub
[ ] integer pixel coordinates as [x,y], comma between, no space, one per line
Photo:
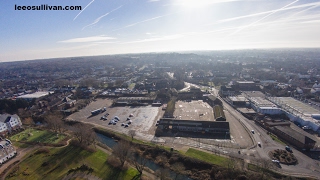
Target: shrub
[113,161]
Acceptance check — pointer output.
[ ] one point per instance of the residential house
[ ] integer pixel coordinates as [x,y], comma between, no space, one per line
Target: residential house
[9,123]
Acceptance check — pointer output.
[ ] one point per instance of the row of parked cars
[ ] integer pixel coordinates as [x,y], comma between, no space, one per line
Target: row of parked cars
[117,119]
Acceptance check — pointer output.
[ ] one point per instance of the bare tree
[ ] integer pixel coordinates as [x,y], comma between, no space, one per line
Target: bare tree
[231,164]
[178,168]
[265,164]
[84,134]
[122,151]
[132,133]
[138,162]
[54,121]
[163,174]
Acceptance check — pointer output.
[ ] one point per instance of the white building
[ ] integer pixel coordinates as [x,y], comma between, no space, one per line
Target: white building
[264,106]
[7,151]
[298,111]
[9,123]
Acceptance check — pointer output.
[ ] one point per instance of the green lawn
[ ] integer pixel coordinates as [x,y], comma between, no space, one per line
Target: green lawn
[58,161]
[275,138]
[253,167]
[132,85]
[35,135]
[207,157]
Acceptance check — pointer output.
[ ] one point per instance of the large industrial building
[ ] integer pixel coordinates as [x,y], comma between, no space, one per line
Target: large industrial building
[34,95]
[204,127]
[299,112]
[260,104]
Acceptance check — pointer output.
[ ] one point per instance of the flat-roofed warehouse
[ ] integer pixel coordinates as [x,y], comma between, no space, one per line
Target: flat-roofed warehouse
[35,95]
[264,106]
[238,100]
[298,111]
[301,140]
[214,127]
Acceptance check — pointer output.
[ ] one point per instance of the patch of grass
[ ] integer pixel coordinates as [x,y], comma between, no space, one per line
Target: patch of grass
[207,157]
[20,145]
[57,163]
[35,135]
[132,85]
[275,138]
[253,167]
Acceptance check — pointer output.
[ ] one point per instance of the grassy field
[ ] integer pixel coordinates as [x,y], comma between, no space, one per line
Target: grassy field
[54,163]
[207,157]
[35,135]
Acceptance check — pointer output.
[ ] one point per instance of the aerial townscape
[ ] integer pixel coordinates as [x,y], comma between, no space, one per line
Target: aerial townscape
[238,114]
[160,90]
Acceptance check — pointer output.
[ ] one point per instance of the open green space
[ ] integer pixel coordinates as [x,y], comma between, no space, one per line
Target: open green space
[36,135]
[207,157]
[54,163]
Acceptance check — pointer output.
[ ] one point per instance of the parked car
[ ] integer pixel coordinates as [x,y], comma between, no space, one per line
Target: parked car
[126,125]
[276,162]
[252,131]
[288,149]
[259,144]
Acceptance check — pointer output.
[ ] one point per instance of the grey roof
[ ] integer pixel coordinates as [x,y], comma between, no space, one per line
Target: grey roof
[5,117]
[301,137]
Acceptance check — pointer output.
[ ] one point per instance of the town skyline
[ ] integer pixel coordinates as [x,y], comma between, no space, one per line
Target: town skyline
[120,27]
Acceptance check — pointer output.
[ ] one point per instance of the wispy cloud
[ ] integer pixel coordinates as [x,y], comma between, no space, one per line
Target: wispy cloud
[140,22]
[195,3]
[313,21]
[99,18]
[153,0]
[83,9]
[87,39]
[162,38]
[264,17]
[311,5]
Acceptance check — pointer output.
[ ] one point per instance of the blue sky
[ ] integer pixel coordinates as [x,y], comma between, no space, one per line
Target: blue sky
[133,26]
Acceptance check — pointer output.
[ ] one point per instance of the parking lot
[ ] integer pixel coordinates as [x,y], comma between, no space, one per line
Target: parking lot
[143,117]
